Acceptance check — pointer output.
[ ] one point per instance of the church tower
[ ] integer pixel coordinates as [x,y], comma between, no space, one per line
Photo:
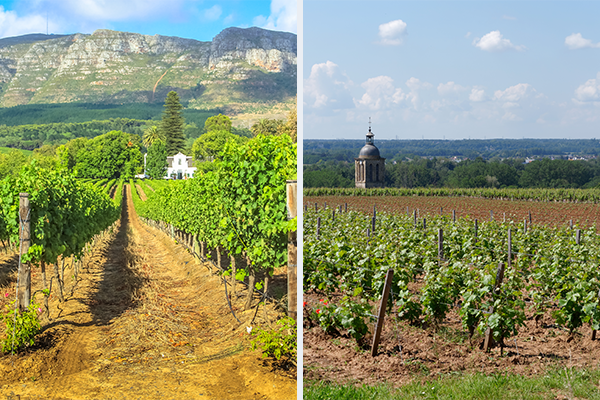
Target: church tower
[369,167]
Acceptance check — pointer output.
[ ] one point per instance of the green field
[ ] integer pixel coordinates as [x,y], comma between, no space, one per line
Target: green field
[5,150]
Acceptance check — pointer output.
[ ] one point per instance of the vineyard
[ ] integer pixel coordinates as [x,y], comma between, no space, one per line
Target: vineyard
[147,306]
[467,293]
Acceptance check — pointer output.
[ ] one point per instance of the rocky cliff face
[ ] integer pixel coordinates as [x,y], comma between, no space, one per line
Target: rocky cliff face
[239,66]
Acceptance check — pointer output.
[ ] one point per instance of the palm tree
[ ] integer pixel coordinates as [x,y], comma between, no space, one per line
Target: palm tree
[151,135]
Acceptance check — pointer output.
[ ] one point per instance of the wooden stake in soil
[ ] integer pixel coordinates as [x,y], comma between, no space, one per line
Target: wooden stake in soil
[24,287]
[509,248]
[251,281]
[381,316]
[233,272]
[440,245]
[489,340]
[318,227]
[525,226]
[491,215]
[373,224]
[292,268]
[578,236]
[415,222]
[453,215]
[529,217]
[475,230]
[345,207]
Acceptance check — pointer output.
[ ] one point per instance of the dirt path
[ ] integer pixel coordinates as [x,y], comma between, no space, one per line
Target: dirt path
[145,321]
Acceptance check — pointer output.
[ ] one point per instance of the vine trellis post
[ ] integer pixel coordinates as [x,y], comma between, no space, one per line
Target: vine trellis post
[292,270]
[381,316]
[24,279]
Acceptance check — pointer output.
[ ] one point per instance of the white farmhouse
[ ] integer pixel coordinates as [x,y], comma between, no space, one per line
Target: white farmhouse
[180,166]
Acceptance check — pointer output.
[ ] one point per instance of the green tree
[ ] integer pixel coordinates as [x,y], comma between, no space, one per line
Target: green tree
[208,146]
[172,124]
[113,155]
[156,160]
[67,153]
[218,123]
[151,135]
[267,127]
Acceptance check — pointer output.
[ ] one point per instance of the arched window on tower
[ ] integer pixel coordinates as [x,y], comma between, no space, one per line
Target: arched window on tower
[370,172]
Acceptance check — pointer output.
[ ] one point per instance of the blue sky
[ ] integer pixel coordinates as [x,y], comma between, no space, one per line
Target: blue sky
[450,69]
[195,19]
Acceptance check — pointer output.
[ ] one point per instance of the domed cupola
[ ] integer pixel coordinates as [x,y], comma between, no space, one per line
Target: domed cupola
[369,166]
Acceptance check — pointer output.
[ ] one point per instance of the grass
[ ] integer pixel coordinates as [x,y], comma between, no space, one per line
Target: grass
[562,383]
[5,150]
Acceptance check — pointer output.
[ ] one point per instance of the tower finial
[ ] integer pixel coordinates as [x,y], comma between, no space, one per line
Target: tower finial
[369,124]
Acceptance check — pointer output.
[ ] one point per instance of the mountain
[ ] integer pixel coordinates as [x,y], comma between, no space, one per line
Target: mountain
[239,69]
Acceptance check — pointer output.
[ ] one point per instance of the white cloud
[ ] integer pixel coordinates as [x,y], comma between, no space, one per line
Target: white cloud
[328,87]
[450,88]
[12,24]
[213,13]
[282,18]
[576,41]
[392,33]
[514,93]
[477,95]
[509,17]
[589,92]
[380,94]
[494,41]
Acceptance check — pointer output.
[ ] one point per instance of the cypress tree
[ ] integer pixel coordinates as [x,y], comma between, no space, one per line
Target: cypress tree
[172,123]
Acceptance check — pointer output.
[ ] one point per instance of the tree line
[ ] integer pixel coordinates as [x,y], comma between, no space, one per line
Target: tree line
[345,150]
[477,173]
[118,154]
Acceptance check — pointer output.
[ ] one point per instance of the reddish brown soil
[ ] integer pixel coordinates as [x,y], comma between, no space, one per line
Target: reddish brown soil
[145,320]
[141,192]
[559,213]
[425,353]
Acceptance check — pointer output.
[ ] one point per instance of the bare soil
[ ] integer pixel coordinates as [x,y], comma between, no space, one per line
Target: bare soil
[544,213]
[143,320]
[409,352]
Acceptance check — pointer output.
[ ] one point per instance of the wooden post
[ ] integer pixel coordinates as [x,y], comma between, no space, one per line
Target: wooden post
[374,212]
[415,214]
[578,236]
[424,223]
[292,269]
[407,212]
[305,207]
[525,225]
[594,331]
[325,206]
[345,207]
[509,248]
[441,210]
[489,340]
[491,215]
[316,207]
[368,233]
[333,215]
[571,223]
[475,230]
[24,286]
[373,224]
[503,217]
[381,316]
[453,215]
[318,227]
[440,245]
[529,217]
